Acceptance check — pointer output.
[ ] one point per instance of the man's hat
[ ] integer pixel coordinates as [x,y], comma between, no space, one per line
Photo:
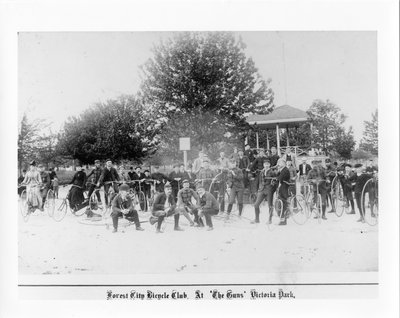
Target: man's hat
[348,165]
[267,160]
[357,165]
[327,160]
[108,160]
[124,187]
[199,186]
[185,181]
[138,167]
[97,161]
[147,170]
[32,163]
[167,185]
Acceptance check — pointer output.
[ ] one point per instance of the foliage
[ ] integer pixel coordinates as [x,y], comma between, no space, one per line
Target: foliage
[344,143]
[361,154]
[116,129]
[369,142]
[201,85]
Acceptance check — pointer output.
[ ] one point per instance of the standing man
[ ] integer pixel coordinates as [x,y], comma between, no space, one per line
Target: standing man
[93,178]
[164,205]
[208,206]
[198,163]
[249,153]
[234,156]
[304,169]
[258,165]
[236,185]
[266,189]
[223,167]
[176,176]
[160,178]
[45,184]
[122,206]
[109,176]
[243,163]
[293,178]
[283,194]
[289,155]
[317,176]
[274,157]
[206,175]
[347,180]
[138,175]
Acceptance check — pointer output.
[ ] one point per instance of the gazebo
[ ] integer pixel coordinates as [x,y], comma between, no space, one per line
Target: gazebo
[286,117]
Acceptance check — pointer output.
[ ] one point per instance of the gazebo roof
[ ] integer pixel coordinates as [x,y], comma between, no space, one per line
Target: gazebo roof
[285,115]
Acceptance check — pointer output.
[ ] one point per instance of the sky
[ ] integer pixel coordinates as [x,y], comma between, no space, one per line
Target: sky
[60,74]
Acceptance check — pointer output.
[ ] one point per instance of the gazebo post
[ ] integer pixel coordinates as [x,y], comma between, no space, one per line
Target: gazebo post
[257,143]
[278,144]
[287,135]
[267,140]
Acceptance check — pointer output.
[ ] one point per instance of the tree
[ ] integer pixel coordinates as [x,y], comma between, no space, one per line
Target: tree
[369,142]
[344,143]
[201,85]
[29,139]
[116,129]
[327,123]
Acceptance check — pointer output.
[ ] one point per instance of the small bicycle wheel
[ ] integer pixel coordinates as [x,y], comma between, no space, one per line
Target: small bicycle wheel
[24,206]
[50,203]
[60,211]
[298,210]
[142,201]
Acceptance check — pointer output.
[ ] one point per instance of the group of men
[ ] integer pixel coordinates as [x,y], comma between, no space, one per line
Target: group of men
[200,190]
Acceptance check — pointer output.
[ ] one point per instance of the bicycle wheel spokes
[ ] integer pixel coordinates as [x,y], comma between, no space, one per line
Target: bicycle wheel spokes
[60,211]
[50,203]
[370,209]
[23,206]
[298,209]
[142,201]
[340,200]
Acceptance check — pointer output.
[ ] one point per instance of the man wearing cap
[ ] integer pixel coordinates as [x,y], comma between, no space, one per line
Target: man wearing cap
[208,205]
[206,175]
[236,185]
[283,193]
[266,189]
[371,169]
[177,177]
[109,176]
[137,175]
[198,163]
[304,169]
[164,205]
[93,178]
[347,180]
[274,157]
[317,176]
[45,184]
[122,206]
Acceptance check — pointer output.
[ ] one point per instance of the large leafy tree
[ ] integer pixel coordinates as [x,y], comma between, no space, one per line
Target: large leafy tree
[116,129]
[328,128]
[369,142]
[201,85]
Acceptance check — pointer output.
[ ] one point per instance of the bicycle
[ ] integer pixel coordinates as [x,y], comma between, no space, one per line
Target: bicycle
[94,205]
[297,207]
[370,208]
[50,202]
[26,201]
[138,196]
[61,211]
[314,205]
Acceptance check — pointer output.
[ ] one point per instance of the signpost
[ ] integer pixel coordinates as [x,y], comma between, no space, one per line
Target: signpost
[184,145]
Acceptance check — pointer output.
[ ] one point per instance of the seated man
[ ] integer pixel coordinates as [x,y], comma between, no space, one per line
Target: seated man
[164,205]
[185,204]
[208,205]
[122,206]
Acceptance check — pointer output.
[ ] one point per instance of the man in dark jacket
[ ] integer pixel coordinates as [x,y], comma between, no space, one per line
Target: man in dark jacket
[274,157]
[243,163]
[347,180]
[122,206]
[160,178]
[109,176]
[360,180]
[317,176]
[93,177]
[266,189]
[236,185]
[164,205]
[283,194]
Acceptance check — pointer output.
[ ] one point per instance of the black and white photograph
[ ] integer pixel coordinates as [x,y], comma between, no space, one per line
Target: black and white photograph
[200,165]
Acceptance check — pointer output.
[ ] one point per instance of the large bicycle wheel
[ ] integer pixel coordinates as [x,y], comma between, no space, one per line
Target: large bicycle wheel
[50,203]
[94,205]
[142,201]
[60,211]
[24,206]
[298,209]
[369,203]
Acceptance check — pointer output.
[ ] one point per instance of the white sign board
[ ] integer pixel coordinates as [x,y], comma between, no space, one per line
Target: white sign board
[184,143]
